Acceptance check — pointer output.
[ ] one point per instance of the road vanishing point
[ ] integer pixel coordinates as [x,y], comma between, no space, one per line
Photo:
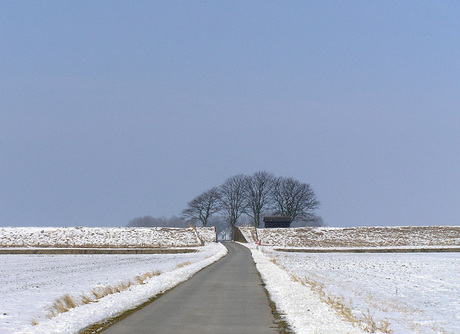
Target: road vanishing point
[226,297]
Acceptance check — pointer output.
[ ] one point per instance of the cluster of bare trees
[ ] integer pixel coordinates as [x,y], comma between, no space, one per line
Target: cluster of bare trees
[255,196]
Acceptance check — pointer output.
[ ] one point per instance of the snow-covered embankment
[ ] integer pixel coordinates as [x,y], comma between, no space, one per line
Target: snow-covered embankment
[105,237]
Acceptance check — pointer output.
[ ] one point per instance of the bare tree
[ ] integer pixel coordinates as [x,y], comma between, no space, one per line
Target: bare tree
[202,207]
[257,195]
[232,199]
[294,199]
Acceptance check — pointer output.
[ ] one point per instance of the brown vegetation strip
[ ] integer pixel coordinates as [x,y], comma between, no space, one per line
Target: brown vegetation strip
[371,250]
[6,251]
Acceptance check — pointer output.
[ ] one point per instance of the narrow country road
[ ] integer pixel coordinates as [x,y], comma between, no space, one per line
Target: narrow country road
[226,297]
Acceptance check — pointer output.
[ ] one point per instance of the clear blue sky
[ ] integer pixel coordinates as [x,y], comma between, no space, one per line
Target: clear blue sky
[111,110]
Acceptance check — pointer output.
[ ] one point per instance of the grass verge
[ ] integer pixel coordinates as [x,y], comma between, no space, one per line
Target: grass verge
[67,302]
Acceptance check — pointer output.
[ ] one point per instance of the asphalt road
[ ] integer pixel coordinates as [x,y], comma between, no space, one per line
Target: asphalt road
[226,297]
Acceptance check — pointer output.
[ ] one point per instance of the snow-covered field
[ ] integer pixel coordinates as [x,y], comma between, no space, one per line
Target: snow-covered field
[415,293]
[29,285]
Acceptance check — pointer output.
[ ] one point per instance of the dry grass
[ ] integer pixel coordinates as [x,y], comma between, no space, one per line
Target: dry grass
[85,300]
[67,302]
[183,264]
[142,279]
[370,325]
[383,326]
[97,294]
[62,305]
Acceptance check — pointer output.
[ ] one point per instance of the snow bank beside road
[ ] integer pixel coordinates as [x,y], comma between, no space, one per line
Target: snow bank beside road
[103,237]
[303,309]
[30,284]
[415,292]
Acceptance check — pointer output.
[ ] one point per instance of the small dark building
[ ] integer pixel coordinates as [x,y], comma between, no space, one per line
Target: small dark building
[277,221]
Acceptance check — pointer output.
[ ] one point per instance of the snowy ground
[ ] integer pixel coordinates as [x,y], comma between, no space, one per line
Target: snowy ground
[29,284]
[416,293]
